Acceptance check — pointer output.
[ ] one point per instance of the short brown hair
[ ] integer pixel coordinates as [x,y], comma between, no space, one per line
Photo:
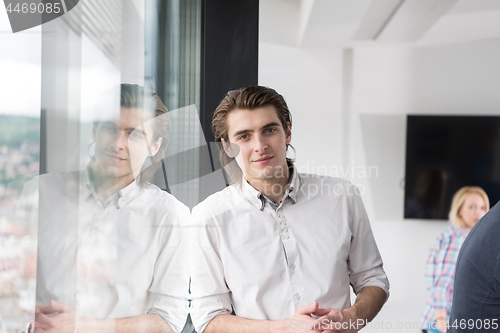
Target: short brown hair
[458,201]
[138,97]
[135,96]
[247,98]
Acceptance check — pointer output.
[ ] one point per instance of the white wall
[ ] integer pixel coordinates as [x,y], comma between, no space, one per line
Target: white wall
[387,84]
[452,79]
[309,81]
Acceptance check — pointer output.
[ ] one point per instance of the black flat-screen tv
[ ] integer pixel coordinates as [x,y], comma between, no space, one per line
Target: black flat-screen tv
[444,153]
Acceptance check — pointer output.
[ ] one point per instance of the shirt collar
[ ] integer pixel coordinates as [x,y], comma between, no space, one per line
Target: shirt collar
[256,197]
[461,232]
[87,187]
[294,183]
[120,198]
[128,193]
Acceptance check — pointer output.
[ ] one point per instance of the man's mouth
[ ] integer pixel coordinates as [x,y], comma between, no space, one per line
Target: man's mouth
[263,160]
[114,157]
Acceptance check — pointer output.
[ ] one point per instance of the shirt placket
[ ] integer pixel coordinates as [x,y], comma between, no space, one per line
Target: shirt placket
[92,217]
[289,242]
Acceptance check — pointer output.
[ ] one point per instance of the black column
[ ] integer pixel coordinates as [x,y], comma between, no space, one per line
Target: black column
[229,53]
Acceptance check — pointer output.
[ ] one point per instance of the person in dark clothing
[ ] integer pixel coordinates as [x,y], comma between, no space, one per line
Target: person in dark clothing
[476,296]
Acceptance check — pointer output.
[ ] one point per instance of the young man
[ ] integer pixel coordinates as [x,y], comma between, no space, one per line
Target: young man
[109,242]
[279,248]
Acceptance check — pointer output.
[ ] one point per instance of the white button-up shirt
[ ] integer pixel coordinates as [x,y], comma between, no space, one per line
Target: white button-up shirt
[265,263]
[115,259]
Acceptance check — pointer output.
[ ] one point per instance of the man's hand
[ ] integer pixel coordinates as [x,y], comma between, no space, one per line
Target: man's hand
[368,303]
[301,321]
[55,318]
[62,318]
[339,321]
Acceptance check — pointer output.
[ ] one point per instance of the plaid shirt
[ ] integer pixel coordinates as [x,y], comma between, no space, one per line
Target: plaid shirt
[440,272]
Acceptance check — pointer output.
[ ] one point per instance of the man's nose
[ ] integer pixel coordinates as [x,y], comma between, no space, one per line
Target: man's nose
[260,143]
[120,141]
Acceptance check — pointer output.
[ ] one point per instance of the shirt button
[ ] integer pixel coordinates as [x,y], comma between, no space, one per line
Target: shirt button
[283,223]
[285,230]
[76,294]
[292,266]
[297,297]
[281,216]
[286,237]
[280,209]
[93,229]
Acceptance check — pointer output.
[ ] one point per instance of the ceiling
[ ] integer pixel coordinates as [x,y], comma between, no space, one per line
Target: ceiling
[351,23]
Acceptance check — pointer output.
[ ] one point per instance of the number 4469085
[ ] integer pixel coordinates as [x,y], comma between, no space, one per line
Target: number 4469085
[484,324]
[48,8]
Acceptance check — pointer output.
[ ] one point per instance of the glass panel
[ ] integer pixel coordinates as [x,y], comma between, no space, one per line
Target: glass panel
[62,98]
[19,162]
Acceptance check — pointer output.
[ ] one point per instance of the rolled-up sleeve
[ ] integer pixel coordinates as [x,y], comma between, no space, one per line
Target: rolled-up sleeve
[209,293]
[365,263]
[168,294]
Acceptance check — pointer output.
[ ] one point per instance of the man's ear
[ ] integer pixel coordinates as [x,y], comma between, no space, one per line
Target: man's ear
[227,148]
[155,147]
[288,133]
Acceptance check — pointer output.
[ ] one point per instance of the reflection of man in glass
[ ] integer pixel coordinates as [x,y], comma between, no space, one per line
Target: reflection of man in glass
[109,241]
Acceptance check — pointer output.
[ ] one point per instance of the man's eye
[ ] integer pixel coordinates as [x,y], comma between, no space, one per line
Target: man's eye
[136,135]
[108,128]
[243,137]
[270,130]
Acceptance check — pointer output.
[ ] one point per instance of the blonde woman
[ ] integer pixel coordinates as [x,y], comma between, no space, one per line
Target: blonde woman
[469,204]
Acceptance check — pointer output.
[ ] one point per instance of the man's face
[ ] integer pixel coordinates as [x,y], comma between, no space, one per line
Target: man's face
[122,144]
[261,140]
